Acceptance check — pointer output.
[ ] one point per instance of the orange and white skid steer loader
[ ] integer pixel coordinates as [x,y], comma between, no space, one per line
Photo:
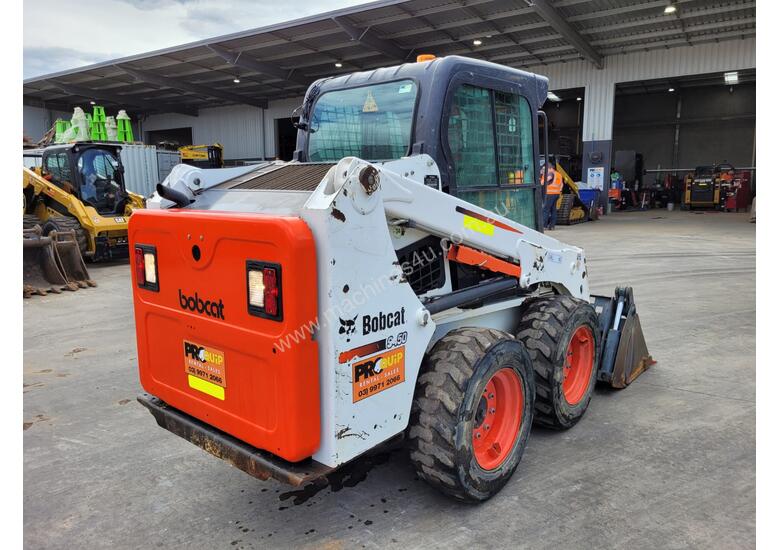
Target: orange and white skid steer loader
[386,282]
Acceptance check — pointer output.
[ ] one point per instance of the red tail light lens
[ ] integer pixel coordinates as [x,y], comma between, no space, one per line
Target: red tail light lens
[271,291]
[145,263]
[140,270]
[264,289]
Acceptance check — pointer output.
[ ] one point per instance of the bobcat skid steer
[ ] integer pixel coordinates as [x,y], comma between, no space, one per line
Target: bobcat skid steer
[387,282]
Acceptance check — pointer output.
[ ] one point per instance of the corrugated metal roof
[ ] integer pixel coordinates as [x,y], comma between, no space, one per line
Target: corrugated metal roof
[279,61]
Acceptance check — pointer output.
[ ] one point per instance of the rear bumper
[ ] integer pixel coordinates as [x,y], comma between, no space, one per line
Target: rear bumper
[257,463]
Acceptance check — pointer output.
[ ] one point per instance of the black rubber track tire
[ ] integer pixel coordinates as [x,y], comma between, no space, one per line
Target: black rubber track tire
[66,223]
[564,212]
[546,327]
[452,379]
[30,220]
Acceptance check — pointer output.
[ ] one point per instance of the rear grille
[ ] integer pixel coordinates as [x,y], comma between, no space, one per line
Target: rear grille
[423,264]
[285,177]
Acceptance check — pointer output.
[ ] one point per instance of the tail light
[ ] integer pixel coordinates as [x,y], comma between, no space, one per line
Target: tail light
[146,267]
[264,289]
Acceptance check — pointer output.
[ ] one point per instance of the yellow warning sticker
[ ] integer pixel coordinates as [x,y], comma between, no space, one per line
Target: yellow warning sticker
[206,387]
[478,225]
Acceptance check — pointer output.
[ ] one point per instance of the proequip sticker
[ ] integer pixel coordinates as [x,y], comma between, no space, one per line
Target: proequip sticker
[205,368]
[375,374]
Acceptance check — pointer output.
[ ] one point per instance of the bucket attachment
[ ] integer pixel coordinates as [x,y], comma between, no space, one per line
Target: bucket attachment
[69,260]
[41,273]
[624,354]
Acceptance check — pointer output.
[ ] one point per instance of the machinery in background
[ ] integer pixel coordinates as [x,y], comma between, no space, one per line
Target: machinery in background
[202,156]
[717,187]
[80,188]
[571,208]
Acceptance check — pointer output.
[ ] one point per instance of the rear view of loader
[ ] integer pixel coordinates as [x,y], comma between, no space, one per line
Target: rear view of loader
[294,319]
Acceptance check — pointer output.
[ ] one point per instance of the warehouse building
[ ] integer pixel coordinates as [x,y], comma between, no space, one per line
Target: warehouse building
[673,81]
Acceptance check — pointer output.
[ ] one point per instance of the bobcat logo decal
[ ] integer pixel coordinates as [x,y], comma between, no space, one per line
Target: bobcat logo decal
[347,327]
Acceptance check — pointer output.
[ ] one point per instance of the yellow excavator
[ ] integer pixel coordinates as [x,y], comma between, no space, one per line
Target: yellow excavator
[75,206]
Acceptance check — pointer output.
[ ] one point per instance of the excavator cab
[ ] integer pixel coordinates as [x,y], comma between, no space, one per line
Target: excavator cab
[92,172]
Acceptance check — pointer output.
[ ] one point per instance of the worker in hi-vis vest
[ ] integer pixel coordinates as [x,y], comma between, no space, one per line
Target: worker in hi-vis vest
[552,191]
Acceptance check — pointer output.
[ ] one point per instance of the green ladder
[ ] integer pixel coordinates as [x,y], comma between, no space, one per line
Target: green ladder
[60,127]
[124,129]
[97,124]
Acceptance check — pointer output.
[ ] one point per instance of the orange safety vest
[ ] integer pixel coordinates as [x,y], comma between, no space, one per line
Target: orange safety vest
[555,186]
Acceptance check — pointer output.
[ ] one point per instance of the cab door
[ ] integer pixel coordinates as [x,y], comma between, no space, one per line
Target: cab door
[489,139]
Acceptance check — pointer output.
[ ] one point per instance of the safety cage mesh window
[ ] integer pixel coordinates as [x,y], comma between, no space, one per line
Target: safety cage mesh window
[470,136]
[490,136]
[514,134]
[370,122]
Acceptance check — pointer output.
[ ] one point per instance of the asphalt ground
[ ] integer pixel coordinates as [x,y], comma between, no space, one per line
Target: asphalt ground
[667,463]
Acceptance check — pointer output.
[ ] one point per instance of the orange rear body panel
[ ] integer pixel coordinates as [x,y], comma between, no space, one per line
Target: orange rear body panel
[263,395]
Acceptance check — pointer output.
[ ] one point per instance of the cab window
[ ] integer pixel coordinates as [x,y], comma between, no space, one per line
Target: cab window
[58,167]
[490,136]
[471,139]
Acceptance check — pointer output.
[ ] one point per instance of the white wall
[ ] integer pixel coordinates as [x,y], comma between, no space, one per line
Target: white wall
[600,84]
[37,121]
[241,129]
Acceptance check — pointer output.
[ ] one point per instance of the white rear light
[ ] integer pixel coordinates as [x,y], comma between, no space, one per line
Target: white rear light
[150,269]
[256,289]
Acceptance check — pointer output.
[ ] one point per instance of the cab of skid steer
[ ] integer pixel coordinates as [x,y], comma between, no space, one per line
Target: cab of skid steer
[477,120]
[93,172]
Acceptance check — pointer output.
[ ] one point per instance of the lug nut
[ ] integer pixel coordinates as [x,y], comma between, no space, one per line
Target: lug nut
[487,427]
[493,411]
[491,396]
[479,435]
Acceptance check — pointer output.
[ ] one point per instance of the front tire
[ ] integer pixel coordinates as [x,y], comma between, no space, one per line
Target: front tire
[472,413]
[562,337]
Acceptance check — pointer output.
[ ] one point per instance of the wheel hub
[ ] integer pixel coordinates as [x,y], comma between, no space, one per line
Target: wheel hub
[578,365]
[497,419]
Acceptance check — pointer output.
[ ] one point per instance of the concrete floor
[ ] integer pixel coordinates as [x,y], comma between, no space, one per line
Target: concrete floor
[668,462]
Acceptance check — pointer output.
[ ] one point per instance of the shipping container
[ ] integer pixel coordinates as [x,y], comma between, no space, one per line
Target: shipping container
[166,160]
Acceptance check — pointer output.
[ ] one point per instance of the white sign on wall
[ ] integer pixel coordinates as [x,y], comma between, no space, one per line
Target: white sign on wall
[596,177]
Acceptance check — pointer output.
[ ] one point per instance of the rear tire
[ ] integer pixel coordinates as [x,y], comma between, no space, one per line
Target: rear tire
[66,223]
[472,413]
[561,335]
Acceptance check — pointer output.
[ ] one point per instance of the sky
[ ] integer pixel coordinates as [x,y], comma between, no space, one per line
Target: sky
[91,31]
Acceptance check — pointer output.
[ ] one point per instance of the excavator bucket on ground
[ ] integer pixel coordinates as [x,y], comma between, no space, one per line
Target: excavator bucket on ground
[52,263]
[624,353]
[69,260]
[41,272]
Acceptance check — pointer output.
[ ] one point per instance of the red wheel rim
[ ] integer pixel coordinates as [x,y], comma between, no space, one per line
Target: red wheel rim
[497,419]
[578,365]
